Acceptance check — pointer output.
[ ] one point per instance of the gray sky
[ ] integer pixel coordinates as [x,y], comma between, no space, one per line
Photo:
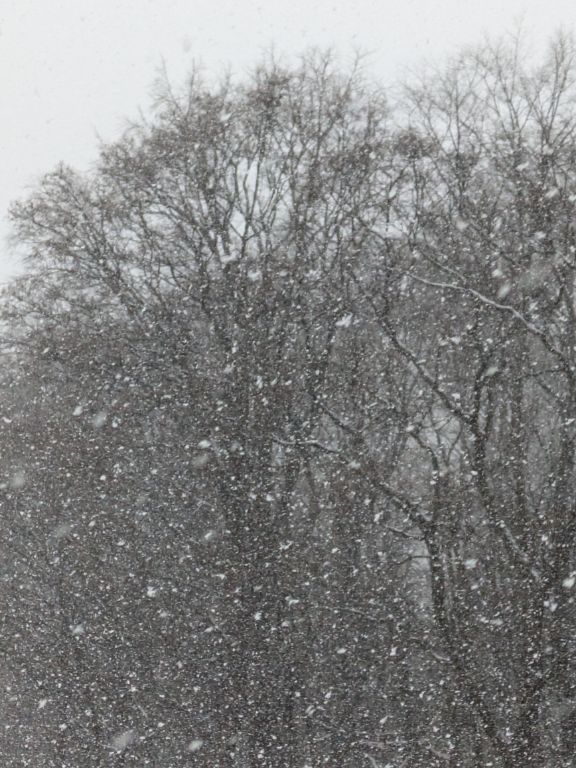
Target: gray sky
[73,70]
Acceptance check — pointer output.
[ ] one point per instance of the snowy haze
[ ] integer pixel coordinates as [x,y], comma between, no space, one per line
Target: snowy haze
[75,70]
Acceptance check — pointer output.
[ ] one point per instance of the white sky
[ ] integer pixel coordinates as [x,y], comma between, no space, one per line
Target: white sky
[73,70]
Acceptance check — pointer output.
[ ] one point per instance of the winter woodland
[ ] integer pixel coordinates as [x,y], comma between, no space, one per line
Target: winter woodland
[288,411]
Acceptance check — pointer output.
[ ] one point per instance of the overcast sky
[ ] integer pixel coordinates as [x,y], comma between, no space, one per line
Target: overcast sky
[73,70]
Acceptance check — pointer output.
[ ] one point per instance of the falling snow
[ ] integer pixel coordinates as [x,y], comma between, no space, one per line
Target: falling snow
[289,408]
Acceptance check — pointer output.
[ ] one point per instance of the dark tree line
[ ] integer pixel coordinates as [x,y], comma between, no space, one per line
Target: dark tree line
[289,424]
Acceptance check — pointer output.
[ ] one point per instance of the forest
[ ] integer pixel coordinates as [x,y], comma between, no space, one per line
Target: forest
[288,411]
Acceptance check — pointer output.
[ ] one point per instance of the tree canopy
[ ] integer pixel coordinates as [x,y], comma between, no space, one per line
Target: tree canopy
[289,418]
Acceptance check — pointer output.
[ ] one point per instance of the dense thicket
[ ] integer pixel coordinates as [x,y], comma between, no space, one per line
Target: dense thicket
[289,424]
